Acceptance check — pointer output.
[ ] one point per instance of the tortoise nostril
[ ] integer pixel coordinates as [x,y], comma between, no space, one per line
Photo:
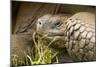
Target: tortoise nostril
[39,22]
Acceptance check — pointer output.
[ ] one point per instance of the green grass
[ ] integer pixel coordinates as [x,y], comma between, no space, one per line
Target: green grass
[43,54]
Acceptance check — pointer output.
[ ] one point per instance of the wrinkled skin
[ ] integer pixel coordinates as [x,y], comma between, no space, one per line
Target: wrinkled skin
[77,33]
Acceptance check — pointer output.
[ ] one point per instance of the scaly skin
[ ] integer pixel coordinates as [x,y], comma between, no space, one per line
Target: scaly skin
[78,32]
[80,36]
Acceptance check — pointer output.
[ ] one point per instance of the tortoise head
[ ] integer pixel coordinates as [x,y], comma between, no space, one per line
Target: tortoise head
[52,25]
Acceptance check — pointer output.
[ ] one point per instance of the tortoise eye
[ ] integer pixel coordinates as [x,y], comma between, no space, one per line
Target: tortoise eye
[58,24]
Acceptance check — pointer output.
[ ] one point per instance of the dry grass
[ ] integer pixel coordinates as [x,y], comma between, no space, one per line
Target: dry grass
[42,55]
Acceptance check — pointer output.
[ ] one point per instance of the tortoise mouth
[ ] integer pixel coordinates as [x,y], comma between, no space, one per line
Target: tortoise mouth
[57,36]
[56,40]
[52,35]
